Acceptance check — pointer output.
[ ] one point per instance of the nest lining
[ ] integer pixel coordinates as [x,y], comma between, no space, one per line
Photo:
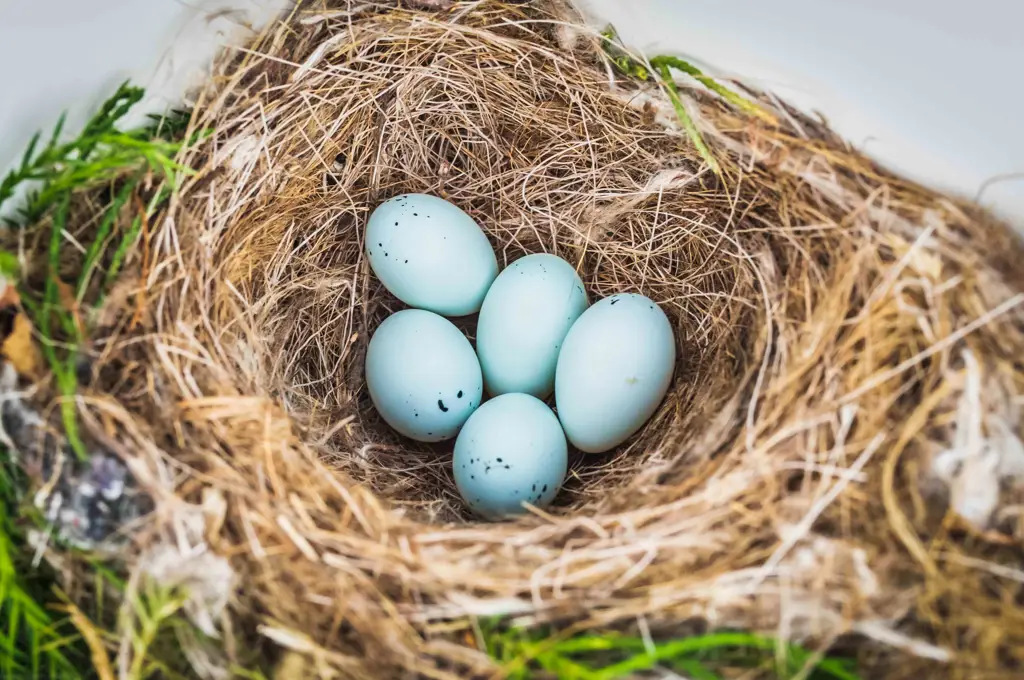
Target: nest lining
[839,331]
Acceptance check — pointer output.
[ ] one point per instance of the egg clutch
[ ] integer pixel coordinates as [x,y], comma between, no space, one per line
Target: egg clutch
[608,365]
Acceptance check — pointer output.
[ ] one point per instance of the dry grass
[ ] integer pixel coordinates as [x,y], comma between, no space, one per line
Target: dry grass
[840,330]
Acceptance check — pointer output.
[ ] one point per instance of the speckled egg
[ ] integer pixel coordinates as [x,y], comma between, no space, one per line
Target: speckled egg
[523,321]
[423,376]
[613,371]
[430,254]
[512,450]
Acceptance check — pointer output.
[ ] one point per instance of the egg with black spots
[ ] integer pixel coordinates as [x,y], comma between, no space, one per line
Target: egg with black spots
[510,452]
[430,254]
[423,375]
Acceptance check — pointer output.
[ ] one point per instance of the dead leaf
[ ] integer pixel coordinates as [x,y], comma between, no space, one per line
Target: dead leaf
[293,666]
[21,350]
[19,347]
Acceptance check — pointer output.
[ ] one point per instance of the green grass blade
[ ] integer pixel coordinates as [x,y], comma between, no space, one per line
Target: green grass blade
[57,130]
[9,265]
[112,110]
[102,233]
[246,674]
[622,60]
[26,159]
[67,380]
[122,251]
[686,121]
[100,153]
[172,125]
[840,669]
[35,654]
[567,658]
[724,92]
[565,668]
[694,670]
[11,180]
[13,623]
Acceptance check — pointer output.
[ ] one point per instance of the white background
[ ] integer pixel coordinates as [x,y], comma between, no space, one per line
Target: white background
[71,55]
[932,88]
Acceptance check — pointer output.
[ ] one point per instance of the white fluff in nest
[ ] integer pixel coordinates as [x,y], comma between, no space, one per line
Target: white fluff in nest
[985,452]
[243,152]
[568,36]
[207,579]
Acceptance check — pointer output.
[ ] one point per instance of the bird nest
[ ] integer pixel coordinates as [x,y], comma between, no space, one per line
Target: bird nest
[838,461]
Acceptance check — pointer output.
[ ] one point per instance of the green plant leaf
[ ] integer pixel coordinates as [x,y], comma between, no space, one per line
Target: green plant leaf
[9,265]
[727,94]
[611,655]
[686,121]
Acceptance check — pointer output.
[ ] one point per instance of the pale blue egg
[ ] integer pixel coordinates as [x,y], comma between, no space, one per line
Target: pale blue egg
[423,376]
[511,450]
[613,371]
[430,254]
[525,316]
